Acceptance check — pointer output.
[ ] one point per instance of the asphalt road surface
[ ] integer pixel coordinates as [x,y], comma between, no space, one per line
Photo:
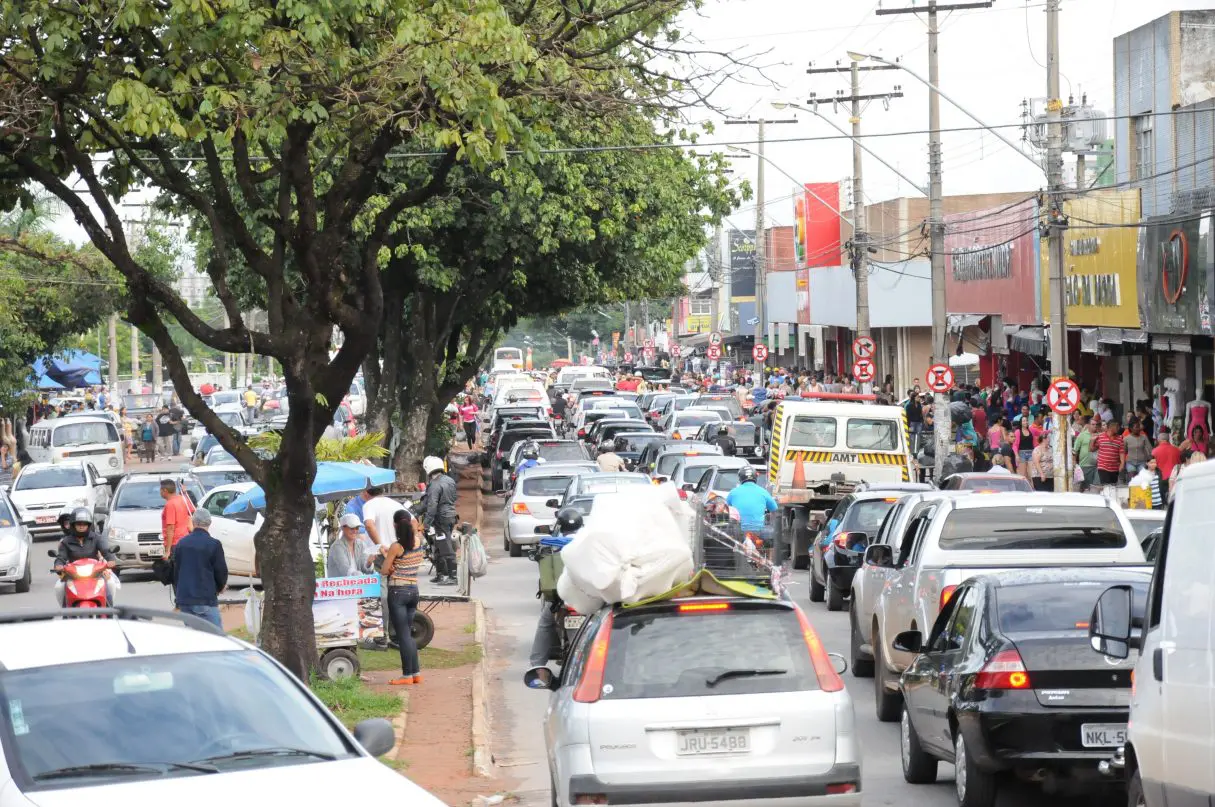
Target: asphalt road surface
[508,591]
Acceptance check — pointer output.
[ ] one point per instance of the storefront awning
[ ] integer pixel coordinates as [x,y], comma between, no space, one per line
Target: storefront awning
[1172,343]
[1098,340]
[957,322]
[695,340]
[1028,339]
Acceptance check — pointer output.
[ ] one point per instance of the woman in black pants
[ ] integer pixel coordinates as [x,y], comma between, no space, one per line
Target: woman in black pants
[401,563]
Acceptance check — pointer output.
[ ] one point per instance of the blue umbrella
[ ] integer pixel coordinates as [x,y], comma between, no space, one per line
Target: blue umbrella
[334,480]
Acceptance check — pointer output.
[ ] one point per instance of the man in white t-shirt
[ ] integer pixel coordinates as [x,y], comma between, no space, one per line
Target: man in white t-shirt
[377,517]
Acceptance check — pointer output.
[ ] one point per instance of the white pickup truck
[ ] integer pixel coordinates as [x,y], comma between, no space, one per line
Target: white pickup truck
[940,541]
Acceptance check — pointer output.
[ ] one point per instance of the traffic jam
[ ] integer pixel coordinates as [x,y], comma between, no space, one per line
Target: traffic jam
[693,536]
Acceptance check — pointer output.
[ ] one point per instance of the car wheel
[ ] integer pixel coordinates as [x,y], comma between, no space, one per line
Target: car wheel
[835,598]
[885,702]
[919,768]
[505,542]
[800,525]
[1134,791]
[975,788]
[23,585]
[817,591]
[516,550]
[861,667]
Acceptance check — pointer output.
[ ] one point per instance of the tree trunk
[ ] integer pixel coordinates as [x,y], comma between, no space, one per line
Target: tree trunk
[417,397]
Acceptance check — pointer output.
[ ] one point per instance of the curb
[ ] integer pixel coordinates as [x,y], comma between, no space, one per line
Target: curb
[398,727]
[482,757]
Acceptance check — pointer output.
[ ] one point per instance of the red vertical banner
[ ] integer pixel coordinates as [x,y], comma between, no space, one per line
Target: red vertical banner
[821,242]
[803,296]
[799,229]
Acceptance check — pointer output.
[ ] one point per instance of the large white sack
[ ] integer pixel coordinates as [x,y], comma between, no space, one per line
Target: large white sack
[635,545]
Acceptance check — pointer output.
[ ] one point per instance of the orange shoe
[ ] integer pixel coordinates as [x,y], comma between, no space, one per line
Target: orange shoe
[399,682]
[417,679]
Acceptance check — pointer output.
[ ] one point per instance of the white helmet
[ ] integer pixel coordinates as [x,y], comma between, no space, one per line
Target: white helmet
[432,464]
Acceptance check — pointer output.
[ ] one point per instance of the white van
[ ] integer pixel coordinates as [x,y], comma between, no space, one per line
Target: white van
[93,439]
[1169,756]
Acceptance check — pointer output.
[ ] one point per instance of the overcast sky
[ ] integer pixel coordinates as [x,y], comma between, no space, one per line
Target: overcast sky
[990,60]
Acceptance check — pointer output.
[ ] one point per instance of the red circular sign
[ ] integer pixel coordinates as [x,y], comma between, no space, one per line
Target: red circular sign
[863,370]
[1174,266]
[628,357]
[760,352]
[675,351]
[863,347]
[714,352]
[1063,396]
[939,378]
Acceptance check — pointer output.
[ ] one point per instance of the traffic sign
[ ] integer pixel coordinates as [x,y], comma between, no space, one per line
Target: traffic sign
[674,351]
[863,370]
[1063,396]
[863,347]
[760,352]
[715,338]
[649,343]
[628,358]
[939,378]
[714,352]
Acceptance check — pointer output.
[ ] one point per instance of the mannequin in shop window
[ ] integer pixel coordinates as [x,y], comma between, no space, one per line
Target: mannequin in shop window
[1198,426]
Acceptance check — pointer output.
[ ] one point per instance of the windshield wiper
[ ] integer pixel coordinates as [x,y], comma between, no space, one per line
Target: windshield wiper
[254,753]
[123,768]
[715,680]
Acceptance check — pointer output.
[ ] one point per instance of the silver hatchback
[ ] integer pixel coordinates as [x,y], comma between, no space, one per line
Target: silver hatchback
[704,700]
[527,506]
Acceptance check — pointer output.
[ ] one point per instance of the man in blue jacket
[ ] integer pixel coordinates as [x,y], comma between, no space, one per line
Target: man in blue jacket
[200,571]
[751,501]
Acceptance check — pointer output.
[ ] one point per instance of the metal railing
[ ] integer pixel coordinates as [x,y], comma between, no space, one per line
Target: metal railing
[723,546]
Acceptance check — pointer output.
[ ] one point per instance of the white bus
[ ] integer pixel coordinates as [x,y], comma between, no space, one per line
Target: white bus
[507,358]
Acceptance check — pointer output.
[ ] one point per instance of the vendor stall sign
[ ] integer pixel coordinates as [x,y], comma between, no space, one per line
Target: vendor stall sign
[347,588]
[347,609]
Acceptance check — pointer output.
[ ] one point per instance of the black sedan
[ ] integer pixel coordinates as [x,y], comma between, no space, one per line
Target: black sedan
[1007,684]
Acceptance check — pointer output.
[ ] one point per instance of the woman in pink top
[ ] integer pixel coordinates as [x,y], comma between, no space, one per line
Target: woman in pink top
[468,416]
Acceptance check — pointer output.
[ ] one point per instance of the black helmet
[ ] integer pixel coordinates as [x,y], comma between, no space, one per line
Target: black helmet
[746,474]
[723,430]
[606,447]
[621,444]
[81,515]
[531,451]
[65,518]
[569,520]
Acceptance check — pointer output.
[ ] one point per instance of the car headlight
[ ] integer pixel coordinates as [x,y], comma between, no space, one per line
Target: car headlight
[8,543]
[116,534]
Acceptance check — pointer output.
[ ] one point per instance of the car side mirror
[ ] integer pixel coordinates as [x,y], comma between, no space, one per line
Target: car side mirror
[689,487]
[552,503]
[909,641]
[540,678]
[1109,628]
[50,553]
[662,479]
[544,529]
[376,735]
[101,510]
[879,555]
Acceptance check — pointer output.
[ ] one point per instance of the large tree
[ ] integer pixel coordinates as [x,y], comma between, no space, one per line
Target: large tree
[604,217]
[274,123]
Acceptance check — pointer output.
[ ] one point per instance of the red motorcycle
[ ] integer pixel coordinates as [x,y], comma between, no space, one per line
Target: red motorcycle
[85,586]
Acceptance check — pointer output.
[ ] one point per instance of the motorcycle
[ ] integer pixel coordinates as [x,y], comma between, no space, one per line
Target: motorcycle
[85,587]
[566,621]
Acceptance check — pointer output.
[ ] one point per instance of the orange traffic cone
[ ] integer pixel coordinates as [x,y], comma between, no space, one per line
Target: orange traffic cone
[799,475]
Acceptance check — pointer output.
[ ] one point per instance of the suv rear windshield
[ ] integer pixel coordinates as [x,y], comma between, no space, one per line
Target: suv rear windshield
[721,402]
[1057,606]
[667,462]
[556,452]
[726,479]
[668,654]
[997,482]
[636,442]
[1033,527]
[867,515]
[545,485]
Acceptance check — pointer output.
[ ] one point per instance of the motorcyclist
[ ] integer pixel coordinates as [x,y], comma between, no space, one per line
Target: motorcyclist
[723,440]
[440,519]
[65,521]
[752,502]
[609,461]
[569,521]
[84,542]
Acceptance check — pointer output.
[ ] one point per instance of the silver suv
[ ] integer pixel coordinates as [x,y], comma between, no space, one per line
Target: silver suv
[133,522]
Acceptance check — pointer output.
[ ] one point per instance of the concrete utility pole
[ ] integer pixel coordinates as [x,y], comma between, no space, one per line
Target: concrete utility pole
[113,358]
[859,247]
[1058,232]
[943,434]
[761,267]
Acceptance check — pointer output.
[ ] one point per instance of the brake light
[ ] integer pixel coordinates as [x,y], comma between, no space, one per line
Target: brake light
[1005,671]
[520,509]
[683,494]
[591,682]
[582,432]
[695,607]
[946,594]
[828,679]
[841,540]
[841,788]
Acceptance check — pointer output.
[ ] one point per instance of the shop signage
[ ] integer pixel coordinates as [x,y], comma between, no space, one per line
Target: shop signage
[983,263]
[1083,246]
[1102,291]
[1175,274]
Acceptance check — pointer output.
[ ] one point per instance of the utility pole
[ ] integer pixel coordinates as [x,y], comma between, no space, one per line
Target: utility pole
[943,434]
[858,248]
[136,382]
[115,396]
[1057,233]
[761,252]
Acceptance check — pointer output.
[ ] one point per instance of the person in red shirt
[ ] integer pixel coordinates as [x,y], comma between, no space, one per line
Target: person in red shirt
[175,517]
[1111,453]
[1167,457]
[468,416]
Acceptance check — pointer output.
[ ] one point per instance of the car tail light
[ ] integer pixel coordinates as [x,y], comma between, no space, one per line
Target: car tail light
[841,540]
[840,788]
[582,432]
[520,509]
[828,679]
[683,494]
[591,682]
[947,594]
[701,607]
[590,798]
[1005,671]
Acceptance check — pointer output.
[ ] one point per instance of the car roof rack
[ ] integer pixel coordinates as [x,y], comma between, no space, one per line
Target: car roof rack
[722,547]
[119,612]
